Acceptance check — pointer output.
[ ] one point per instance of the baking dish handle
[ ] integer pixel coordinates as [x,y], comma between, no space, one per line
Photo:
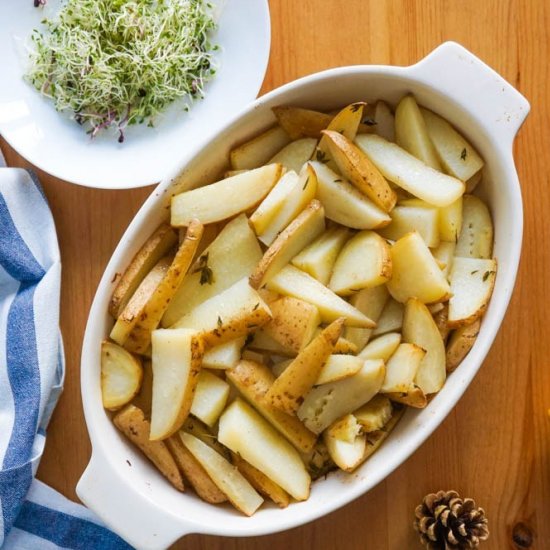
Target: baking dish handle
[125,510]
[462,77]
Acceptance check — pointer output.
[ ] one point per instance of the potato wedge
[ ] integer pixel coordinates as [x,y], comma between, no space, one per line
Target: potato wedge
[139,339]
[265,214]
[440,318]
[121,375]
[450,221]
[263,343]
[226,476]
[415,272]
[401,368]
[224,356]
[337,367]
[245,432]
[293,323]
[261,482]
[289,389]
[294,155]
[290,281]
[371,302]
[420,328]
[295,201]
[444,254]
[258,150]
[462,340]
[375,414]
[411,132]
[406,218]
[364,262]
[225,198]
[476,238]
[193,472]
[345,122]
[177,356]
[155,247]
[344,203]
[472,283]
[200,430]
[132,423]
[319,257]
[318,411]
[413,397]
[382,347]
[210,398]
[345,429]
[356,167]
[409,173]
[231,314]
[345,347]
[375,439]
[384,121]
[457,156]
[135,306]
[308,225]
[346,455]
[391,318]
[253,381]
[299,123]
[232,255]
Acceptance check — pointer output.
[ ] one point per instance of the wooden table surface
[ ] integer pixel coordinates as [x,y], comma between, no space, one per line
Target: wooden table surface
[495,445]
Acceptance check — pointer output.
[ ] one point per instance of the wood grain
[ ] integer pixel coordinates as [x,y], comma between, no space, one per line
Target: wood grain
[495,446]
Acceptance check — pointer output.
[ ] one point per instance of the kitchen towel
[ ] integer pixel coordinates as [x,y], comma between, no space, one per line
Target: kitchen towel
[31,375]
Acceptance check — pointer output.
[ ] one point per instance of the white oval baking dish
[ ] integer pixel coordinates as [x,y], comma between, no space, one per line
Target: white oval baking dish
[119,484]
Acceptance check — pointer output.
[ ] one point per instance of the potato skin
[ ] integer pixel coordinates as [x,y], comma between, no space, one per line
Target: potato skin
[132,423]
[460,343]
[253,381]
[288,391]
[292,322]
[261,482]
[154,248]
[193,471]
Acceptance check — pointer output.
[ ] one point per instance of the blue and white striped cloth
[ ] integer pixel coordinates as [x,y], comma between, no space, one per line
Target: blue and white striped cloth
[32,516]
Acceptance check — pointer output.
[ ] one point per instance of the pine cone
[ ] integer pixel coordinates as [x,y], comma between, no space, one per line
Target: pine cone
[447,522]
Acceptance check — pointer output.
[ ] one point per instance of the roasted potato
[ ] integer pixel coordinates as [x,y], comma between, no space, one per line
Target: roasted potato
[155,247]
[132,423]
[293,323]
[290,281]
[245,432]
[233,255]
[409,173]
[289,389]
[356,167]
[176,361]
[462,340]
[253,381]
[225,198]
[309,224]
[257,151]
[121,375]
[226,476]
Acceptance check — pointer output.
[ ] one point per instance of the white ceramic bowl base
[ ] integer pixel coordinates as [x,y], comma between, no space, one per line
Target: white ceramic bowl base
[133,498]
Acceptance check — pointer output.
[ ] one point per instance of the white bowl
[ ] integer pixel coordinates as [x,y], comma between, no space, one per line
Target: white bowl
[57,145]
[119,484]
